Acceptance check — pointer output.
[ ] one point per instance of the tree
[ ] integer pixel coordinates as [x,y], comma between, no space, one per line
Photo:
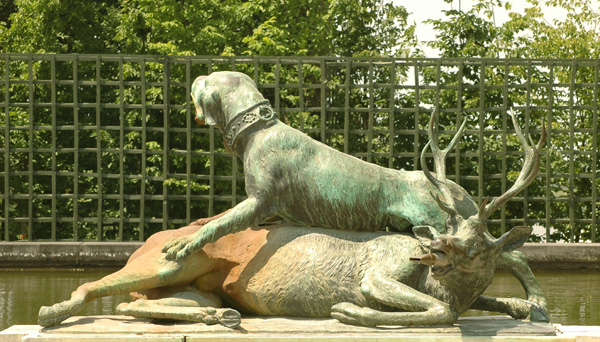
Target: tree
[163,27]
[528,35]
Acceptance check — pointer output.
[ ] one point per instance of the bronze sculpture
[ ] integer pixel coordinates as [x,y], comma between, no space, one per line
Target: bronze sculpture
[310,184]
[358,277]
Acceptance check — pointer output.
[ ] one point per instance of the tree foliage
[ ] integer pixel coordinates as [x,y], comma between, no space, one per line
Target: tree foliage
[207,27]
[528,34]
[357,28]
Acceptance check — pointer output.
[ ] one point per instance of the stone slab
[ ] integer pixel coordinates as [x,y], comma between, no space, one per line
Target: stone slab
[113,328]
[582,333]
[466,326]
[17,332]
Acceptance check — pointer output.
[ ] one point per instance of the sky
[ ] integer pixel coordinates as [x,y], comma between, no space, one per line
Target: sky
[432,9]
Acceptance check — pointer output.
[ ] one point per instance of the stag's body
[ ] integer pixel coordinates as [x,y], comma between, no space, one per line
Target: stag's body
[358,277]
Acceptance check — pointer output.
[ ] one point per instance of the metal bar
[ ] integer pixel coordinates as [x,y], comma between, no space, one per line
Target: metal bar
[188,141]
[481,135]
[142,227]
[121,151]
[31,145]
[459,102]
[571,154]
[167,100]
[347,107]
[211,160]
[371,119]
[527,124]
[100,203]
[549,121]
[277,88]
[323,100]
[6,195]
[76,148]
[417,112]
[301,95]
[594,228]
[504,149]
[234,164]
[391,118]
[54,142]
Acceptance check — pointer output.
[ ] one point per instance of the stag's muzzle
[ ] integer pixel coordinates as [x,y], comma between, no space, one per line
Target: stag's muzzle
[432,259]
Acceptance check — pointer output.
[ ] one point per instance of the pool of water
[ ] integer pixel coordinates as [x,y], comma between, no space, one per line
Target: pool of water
[573,296]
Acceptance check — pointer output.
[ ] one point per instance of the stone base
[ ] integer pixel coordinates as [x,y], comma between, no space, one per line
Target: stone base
[124,328]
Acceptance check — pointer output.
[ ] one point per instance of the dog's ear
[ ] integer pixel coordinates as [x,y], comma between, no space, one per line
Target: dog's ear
[205,101]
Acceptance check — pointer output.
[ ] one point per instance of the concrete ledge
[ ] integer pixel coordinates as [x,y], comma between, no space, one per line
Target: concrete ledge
[562,255]
[113,328]
[111,254]
[65,254]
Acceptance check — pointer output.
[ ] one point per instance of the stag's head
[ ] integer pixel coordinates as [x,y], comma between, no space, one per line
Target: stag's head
[468,246]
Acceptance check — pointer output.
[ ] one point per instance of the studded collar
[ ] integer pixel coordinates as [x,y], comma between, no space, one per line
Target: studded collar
[245,119]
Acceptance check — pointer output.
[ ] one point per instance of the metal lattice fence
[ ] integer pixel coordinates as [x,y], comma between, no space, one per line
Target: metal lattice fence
[104,147]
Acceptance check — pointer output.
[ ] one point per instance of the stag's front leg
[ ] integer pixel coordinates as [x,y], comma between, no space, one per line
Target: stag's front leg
[516,263]
[188,305]
[515,307]
[420,309]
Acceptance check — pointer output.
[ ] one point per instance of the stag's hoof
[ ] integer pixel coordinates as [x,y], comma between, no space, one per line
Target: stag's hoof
[538,314]
[53,315]
[230,318]
[349,313]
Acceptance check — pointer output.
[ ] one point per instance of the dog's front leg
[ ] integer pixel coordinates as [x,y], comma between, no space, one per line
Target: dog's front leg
[246,214]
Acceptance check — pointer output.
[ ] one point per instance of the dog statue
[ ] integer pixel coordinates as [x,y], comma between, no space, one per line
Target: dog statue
[290,175]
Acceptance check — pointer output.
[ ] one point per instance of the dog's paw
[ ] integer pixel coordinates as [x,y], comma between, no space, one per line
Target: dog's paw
[173,247]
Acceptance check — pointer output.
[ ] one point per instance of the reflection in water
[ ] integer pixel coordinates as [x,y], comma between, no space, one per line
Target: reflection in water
[573,296]
[23,292]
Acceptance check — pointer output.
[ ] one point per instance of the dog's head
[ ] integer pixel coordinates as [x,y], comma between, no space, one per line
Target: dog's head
[219,96]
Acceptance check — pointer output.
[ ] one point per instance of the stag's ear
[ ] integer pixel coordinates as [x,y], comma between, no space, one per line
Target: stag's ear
[513,239]
[425,234]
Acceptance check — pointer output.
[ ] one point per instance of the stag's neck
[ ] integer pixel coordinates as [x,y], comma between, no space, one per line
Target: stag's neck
[460,290]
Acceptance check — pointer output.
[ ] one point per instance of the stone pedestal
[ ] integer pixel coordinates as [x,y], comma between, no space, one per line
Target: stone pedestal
[123,328]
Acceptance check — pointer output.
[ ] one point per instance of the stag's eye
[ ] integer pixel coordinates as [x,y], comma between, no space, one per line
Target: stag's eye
[474,250]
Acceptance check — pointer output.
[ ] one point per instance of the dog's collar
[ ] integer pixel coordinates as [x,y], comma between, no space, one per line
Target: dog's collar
[246,118]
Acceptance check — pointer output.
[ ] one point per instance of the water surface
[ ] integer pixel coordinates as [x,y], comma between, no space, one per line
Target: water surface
[573,296]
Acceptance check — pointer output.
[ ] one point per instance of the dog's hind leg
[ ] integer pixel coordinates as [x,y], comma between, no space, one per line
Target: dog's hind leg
[248,213]
[149,272]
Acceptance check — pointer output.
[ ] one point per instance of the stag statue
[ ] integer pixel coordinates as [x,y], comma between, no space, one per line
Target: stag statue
[361,278]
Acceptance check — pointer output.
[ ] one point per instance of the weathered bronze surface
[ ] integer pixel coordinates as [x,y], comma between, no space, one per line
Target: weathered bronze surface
[348,270]
[361,278]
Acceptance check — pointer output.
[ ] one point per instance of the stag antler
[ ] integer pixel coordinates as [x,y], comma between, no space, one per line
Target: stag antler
[446,202]
[531,166]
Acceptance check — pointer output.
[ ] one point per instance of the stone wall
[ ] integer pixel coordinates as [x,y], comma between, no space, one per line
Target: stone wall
[107,254]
